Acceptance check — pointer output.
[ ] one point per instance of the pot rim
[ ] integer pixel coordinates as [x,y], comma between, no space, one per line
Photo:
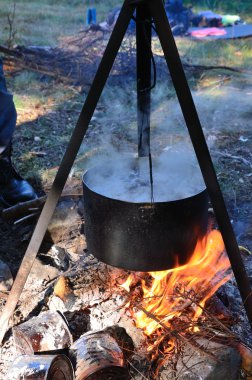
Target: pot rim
[144,203]
[85,182]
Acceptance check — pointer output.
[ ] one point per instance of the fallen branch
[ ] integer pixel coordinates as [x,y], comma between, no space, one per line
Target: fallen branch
[175,334]
[29,216]
[216,84]
[23,208]
[28,63]
[210,315]
[237,158]
[135,369]
[12,30]
[11,52]
[213,67]
[241,248]
[25,64]
[75,61]
[3,295]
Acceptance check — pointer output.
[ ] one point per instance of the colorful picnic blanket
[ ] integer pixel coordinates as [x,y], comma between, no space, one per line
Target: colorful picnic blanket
[204,32]
[235,31]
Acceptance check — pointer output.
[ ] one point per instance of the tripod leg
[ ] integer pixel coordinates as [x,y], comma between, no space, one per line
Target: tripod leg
[143,43]
[201,150]
[66,163]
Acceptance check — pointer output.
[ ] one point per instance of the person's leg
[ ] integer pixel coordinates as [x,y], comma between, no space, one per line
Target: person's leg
[13,188]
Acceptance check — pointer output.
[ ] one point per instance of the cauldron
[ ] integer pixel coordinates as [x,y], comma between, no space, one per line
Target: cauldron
[142,235]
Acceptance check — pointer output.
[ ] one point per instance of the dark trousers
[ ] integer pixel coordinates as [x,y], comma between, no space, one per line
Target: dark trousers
[8,114]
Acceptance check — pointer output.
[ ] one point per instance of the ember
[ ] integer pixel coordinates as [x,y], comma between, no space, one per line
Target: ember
[185,288]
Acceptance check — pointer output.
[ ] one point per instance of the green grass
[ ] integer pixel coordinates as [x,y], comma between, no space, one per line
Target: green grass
[38,23]
[241,7]
[234,53]
[43,23]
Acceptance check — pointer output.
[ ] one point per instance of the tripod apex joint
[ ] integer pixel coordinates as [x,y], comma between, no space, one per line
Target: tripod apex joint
[136,2]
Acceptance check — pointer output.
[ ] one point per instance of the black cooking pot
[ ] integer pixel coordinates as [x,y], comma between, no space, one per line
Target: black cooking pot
[142,236]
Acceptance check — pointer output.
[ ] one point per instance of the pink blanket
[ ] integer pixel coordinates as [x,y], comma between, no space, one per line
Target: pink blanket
[204,32]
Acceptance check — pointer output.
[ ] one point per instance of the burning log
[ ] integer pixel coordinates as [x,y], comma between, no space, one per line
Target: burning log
[100,354]
[169,306]
[50,367]
[185,288]
[47,332]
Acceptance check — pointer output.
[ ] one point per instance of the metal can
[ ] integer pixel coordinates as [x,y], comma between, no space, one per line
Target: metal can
[98,357]
[47,332]
[41,367]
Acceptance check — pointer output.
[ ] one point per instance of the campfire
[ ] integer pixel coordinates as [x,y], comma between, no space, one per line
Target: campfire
[167,299]
[170,292]
[149,324]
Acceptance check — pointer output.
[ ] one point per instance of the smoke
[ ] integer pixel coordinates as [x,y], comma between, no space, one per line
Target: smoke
[111,149]
[112,136]
[113,129]
[176,175]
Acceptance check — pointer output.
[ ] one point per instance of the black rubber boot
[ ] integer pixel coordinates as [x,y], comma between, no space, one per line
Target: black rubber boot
[13,188]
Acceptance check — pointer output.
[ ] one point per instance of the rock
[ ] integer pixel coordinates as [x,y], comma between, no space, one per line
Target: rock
[201,367]
[228,367]
[246,354]
[41,272]
[6,279]
[56,257]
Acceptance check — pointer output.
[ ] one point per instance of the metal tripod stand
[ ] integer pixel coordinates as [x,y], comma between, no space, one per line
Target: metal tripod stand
[147,10]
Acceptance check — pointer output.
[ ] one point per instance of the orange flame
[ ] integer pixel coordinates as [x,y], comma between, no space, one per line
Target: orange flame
[173,290]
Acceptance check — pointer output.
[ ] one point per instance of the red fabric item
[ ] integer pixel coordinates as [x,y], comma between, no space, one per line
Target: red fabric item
[204,32]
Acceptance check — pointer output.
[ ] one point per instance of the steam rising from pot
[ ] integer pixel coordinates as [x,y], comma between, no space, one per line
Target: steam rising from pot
[176,175]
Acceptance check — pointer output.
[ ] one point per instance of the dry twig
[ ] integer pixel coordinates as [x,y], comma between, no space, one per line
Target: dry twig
[173,333]
[22,208]
[12,30]
[211,316]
